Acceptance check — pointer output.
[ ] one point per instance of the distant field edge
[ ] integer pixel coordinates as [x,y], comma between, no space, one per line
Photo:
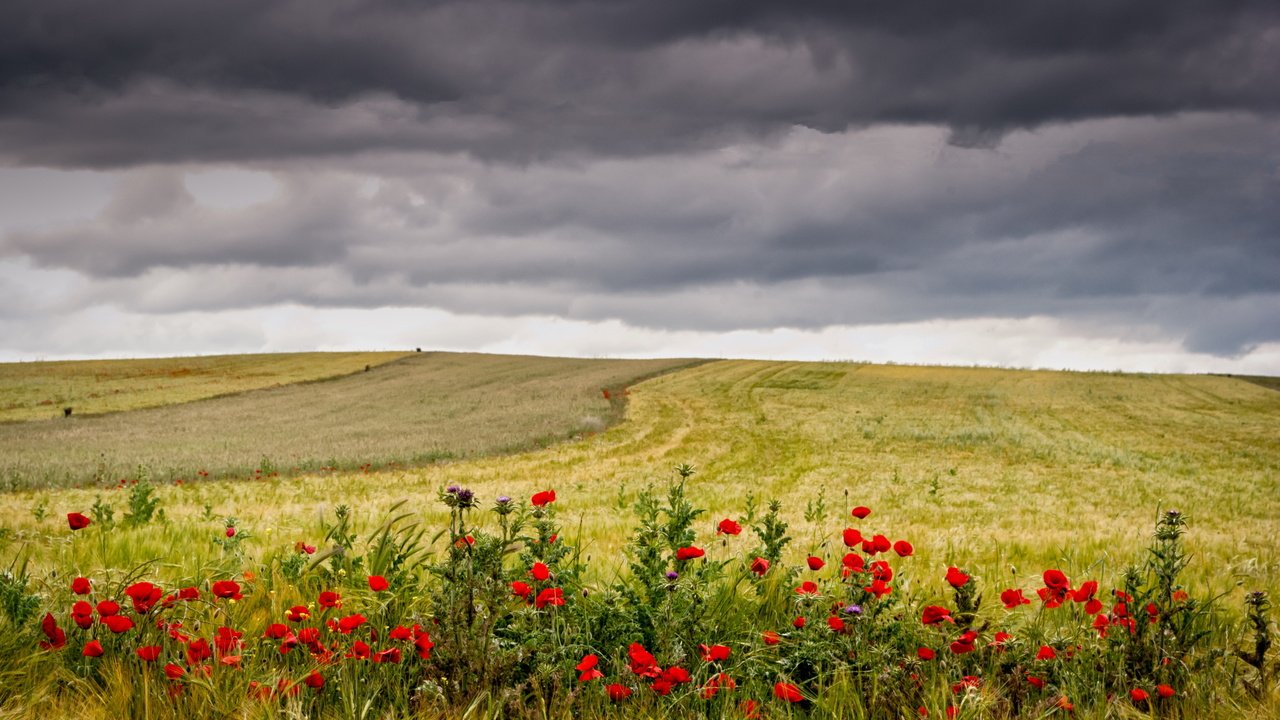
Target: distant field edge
[1266,381]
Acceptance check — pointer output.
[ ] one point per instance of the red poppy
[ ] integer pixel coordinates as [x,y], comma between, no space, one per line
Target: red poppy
[788,692]
[107,608]
[617,692]
[879,588]
[956,577]
[1035,682]
[861,512]
[329,599]
[808,587]
[1012,598]
[198,650]
[588,662]
[78,522]
[55,637]
[520,589]
[714,653]
[81,586]
[717,683]
[852,538]
[550,596]
[1139,695]
[297,613]
[643,662]
[315,680]
[903,548]
[1000,639]
[377,583]
[390,655]
[190,593]
[880,544]
[925,653]
[587,669]
[1165,691]
[798,622]
[350,622]
[835,623]
[542,499]
[771,638]
[144,596]
[174,672]
[148,653]
[815,563]
[275,631]
[1046,653]
[689,553]
[750,710]
[853,562]
[880,570]
[964,643]
[227,590]
[423,645]
[1056,588]
[728,527]
[934,614]
[93,648]
[360,650]
[676,675]
[118,623]
[759,566]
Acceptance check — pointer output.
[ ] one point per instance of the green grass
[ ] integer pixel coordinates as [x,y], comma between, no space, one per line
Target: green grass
[422,408]
[40,390]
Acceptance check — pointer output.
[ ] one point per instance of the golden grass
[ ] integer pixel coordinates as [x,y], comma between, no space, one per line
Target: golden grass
[1003,472]
[40,390]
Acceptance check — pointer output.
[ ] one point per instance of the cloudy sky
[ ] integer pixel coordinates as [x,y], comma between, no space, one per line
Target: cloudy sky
[1084,184]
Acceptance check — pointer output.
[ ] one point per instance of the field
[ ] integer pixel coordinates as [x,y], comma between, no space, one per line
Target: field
[1004,473]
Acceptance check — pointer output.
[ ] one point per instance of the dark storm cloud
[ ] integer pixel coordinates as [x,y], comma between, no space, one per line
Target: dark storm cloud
[115,84]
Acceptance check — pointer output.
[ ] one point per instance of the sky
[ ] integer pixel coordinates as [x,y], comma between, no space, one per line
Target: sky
[1092,184]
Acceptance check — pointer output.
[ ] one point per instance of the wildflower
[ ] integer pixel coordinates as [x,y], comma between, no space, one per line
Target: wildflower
[542,499]
[728,527]
[617,692]
[714,653]
[198,650]
[672,575]
[275,631]
[423,645]
[360,650]
[642,661]
[1000,639]
[227,590]
[750,710]
[788,692]
[853,562]
[390,655]
[835,623]
[689,553]
[144,596]
[815,563]
[851,537]
[1139,695]
[520,589]
[350,622]
[798,623]
[861,512]
[903,548]
[81,586]
[808,587]
[964,643]
[853,609]
[55,638]
[1035,682]
[760,566]
[550,596]
[934,614]
[1046,653]
[771,638]
[118,623]
[148,653]
[925,653]
[588,669]
[377,583]
[1013,598]
[77,521]
[315,680]
[297,613]
[880,570]
[1165,691]
[878,588]
[107,608]
[719,682]
[1055,590]
[329,599]
[956,577]
[174,672]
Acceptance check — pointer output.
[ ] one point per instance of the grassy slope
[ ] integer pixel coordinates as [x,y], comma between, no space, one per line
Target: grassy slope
[39,390]
[1006,472]
[423,407]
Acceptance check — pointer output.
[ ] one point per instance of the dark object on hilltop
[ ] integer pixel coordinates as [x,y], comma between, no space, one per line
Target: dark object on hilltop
[367,368]
[417,349]
[66,412]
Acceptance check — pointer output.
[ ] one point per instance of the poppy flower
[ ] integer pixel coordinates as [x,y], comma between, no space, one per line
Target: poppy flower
[617,692]
[1165,691]
[956,577]
[174,672]
[1000,639]
[190,593]
[350,622]
[77,521]
[788,692]
[880,544]
[760,566]
[879,588]
[689,553]
[227,590]
[198,650]
[643,662]
[377,583]
[329,599]
[550,596]
[275,631]
[964,643]
[717,683]
[542,499]
[676,674]
[423,645]
[148,653]
[925,653]
[297,613]
[728,527]
[520,589]
[1046,653]
[836,624]
[808,587]
[390,655]
[1012,598]
[1139,695]
[771,638]
[1055,590]
[360,650]
[750,710]
[880,570]
[315,680]
[144,596]
[55,637]
[714,653]
[118,623]
[1035,682]
[107,608]
[815,563]
[861,512]
[851,537]
[853,562]
[903,548]
[93,648]
[81,586]
[588,668]
[934,614]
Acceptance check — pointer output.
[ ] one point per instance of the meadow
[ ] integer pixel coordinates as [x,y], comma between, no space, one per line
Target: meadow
[1005,474]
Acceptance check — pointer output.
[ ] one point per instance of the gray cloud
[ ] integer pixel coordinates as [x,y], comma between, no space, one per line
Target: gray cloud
[521,80]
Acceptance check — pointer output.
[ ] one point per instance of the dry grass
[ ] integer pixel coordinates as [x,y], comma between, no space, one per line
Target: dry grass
[1005,472]
[40,390]
[423,408]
